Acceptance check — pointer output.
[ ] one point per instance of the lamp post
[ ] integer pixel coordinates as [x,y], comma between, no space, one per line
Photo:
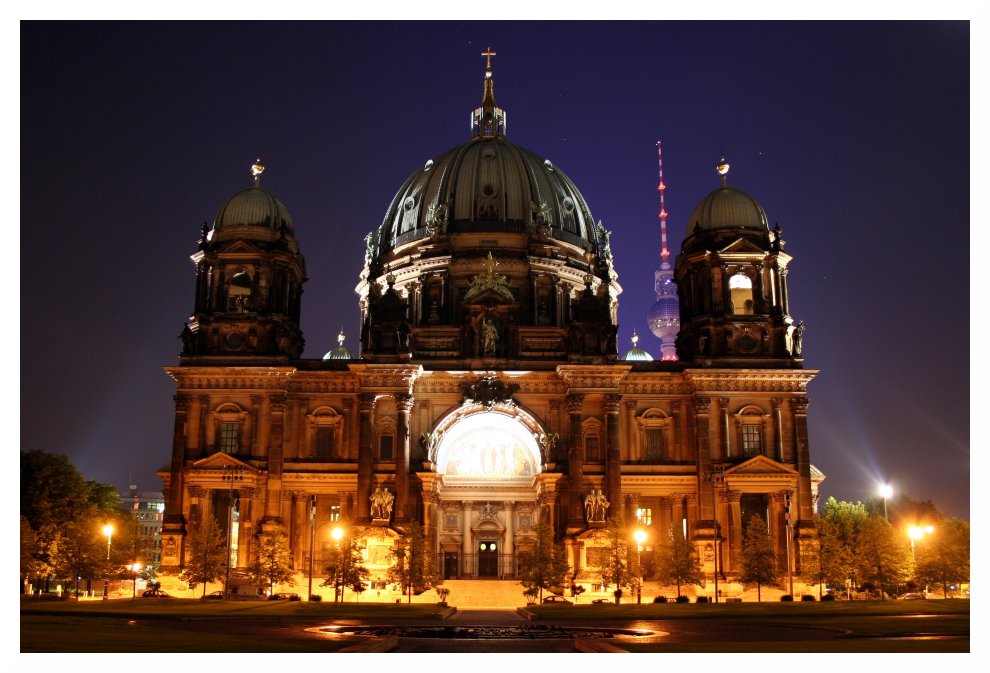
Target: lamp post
[714,476]
[135,568]
[916,533]
[312,544]
[640,536]
[337,533]
[231,473]
[886,491]
[108,531]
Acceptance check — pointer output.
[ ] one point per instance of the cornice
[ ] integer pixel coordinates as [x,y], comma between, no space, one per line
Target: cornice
[749,380]
[238,378]
[386,378]
[593,378]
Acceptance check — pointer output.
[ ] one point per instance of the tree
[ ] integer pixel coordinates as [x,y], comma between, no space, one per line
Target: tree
[272,565]
[759,563]
[824,557]
[675,562]
[943,557]
[413,566]
[207,554]
[80,552]
[616,568]
[344,567]
[882,554]
[544,564]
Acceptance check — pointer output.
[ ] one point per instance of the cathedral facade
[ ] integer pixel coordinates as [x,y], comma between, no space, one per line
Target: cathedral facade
[488,393]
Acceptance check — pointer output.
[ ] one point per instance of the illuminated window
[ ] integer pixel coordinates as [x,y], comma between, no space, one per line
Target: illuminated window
[229,435]
[741,293]
[752,441]
[324,442]
[591,448]
[334,512]
[644,515]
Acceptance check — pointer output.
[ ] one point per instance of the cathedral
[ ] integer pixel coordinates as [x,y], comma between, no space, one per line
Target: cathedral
[488,393]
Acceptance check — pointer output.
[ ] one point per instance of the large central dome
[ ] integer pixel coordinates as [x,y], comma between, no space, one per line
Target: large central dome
[488,251]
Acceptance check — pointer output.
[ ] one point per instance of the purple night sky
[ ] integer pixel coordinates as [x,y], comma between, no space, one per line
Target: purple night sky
[853,136]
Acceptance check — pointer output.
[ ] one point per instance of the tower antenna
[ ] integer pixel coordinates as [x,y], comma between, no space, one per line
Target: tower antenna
[664,317]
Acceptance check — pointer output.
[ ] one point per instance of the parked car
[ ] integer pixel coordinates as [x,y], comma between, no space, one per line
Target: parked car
[914,596]
[285,596]
[601,601]
[154,593]
[215,595]
[556,599]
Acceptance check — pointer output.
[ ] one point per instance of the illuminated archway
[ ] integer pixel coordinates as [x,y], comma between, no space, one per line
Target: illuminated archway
[496,444]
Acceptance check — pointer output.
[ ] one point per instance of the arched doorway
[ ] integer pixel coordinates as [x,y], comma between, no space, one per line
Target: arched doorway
[489,464]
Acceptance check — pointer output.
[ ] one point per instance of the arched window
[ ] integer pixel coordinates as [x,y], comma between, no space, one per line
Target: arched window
[741,294]
[592,435]
[325,426]
[228,428]
[656,436]
[751,423]
[386,440]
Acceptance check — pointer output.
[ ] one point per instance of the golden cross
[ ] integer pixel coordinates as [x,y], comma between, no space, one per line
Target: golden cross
[488,53]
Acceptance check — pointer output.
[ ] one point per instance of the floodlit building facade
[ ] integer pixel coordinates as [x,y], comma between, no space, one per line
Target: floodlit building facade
[487,392]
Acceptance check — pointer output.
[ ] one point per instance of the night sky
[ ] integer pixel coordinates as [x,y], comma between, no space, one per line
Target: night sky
[853,136]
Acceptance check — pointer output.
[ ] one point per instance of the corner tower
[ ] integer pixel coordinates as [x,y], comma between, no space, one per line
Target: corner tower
[249,278]
[732,281]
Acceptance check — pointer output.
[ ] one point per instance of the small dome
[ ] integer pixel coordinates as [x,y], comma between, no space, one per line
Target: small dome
[253,213]
[635,354]
[339,353]
[728,208]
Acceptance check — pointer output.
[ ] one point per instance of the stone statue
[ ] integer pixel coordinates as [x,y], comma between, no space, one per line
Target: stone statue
[489,336]
[595,506]
[798,336]
[589,507]
[489,279]
[381,504]
[369,248]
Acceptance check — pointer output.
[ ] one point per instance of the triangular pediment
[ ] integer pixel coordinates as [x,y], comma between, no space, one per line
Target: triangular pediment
[217,461]
[759,465]
[742,246]
[241,246]
[490,297]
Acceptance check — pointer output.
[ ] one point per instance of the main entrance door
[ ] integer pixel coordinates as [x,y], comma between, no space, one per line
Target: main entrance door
[487,559]
[450,565]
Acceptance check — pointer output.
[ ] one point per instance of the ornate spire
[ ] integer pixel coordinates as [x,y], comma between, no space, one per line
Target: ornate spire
[256,170]
[488,121]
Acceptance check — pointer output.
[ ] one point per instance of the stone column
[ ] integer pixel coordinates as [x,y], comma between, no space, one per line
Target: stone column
[554,422]
[403,406]
[805,513]
[677,514]
[300,529]
[735,531]
[575,457]
[723,404]
[245,542]
[430,502]
[632,452]
[777,529]
[633,506]
[253,447]
[613,467]
[509,567]
[346,450]
[701,409]
[778,443]
[467,570]
[691,510]
[664,520]
[366,404]
[677,450]
[173,520]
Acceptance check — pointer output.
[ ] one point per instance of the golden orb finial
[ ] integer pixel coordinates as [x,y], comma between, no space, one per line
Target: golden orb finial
[256,170]
[723,169]
[635,338]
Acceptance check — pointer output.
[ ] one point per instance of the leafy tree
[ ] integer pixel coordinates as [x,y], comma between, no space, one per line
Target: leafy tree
[29,543]
[674,560]
[882,554]
[207,557]
[759,563]
[272,565]
[544,565]
[943,557]
[413,566]
[80,552]
[616,569]
[344,567]
[824,557]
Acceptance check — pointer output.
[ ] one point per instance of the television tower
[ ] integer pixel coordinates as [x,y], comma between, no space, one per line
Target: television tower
[664,317]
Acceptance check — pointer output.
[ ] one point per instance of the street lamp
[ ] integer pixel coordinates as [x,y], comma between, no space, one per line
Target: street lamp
[916,533]
[135,568]
[108,531]
[337,533]
[886,491]
[640,536]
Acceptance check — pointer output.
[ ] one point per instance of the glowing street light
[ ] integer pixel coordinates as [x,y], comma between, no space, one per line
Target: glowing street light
[916,533]
[886,491]
[108,531]
[135,568]
[640,536]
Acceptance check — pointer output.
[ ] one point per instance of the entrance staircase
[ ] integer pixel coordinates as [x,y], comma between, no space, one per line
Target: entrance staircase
[485,593]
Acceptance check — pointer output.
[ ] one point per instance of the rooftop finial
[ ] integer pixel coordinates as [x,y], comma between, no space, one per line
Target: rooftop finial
[723,169]
[256,170]
[488,121]
[341,337]
[635,338]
